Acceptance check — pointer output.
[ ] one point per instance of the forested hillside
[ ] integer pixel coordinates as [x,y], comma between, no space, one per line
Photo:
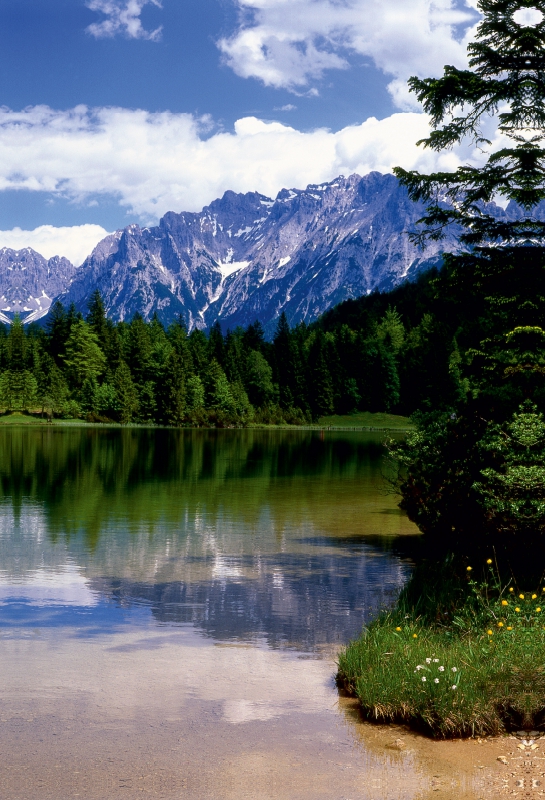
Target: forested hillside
[386,352]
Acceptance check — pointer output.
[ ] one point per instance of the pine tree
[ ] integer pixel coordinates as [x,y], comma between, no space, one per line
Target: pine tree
[138,350]
[254,337]
[84,358]
[216,344]
[198,346]
[57,332]
[501,275]
[320,383]
[127,396]
[195,394]
[178,338]
[96,317]
[289,366]
[218,391]
[172,392]
[258,379]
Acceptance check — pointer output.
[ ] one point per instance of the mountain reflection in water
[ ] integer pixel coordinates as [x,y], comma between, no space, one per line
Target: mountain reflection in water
[286,536]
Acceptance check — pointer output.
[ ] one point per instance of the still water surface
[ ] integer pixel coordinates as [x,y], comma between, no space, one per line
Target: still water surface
[171,603]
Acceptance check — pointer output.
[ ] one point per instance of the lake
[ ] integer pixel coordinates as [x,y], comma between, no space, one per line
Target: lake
[171,606]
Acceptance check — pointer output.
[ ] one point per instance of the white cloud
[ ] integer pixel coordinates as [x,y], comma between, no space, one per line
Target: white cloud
[74,243]
[122,17]
[153,163]
[287,43]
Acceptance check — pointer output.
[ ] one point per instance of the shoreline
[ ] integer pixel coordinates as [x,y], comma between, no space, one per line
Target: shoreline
[24,420]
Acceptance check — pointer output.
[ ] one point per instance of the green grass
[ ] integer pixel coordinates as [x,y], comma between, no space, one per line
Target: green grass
[18,418]
[492,653]
[365,419]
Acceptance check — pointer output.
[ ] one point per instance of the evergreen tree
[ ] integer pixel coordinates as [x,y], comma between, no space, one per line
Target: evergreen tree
[83,358]
[320,384]
[218,391]
[501,275]
[391,332]
[198,346]
[289,366]
[178,338]
[254,337]
[258,380]
[172,399]
[89,394]
[55,393]
[138,350]
[57,331]
[96,318]
[127,396]
[216,344]
[195,394]
[234,355]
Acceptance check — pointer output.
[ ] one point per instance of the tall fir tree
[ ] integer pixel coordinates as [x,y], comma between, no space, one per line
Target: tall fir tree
[502,275]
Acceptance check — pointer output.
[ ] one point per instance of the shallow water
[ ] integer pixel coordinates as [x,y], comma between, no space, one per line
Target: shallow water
[171,603]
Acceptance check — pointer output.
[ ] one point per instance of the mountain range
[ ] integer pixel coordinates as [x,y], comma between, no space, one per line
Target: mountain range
[243,257]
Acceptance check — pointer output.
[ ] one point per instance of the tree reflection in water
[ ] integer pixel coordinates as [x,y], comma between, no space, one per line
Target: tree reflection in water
[281,535]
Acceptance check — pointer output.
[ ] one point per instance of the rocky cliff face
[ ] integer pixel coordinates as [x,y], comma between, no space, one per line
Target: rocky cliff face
[244,257]
[29,282]
[248,257]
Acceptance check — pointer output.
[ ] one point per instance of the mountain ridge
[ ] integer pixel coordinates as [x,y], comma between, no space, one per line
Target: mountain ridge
[247,256]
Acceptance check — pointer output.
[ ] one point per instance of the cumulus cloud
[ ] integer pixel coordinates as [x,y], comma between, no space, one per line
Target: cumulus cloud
[122,17]
[74,243]
[153,163]
[288,43]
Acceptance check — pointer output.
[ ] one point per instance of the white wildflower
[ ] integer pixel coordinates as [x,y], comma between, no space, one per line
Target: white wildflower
[441,669]
[428,661]
[454,687]
[436,680]
[453,669]
[420,666]
[424,679]
[435,660]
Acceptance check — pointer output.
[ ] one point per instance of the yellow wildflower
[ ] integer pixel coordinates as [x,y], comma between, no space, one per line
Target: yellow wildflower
[489,633]
[534,596]
[500,624]
[469,569]
[398,629]
[538,609]
[512,590]
[415,635]
[509,628]
[488,560]
[521,596]
[517,609]
[504,603]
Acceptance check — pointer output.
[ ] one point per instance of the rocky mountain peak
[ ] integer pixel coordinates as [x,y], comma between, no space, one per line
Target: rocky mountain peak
[243,257]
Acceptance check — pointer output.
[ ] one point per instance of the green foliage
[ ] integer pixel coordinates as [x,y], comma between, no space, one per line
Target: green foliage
[456,657]
[470,479]
[513,491]
[259,383]
[84,358]
[195,393]
[127,396]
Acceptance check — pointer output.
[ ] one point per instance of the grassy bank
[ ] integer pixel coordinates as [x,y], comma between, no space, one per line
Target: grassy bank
[363,421]
[367,421]
[481,672]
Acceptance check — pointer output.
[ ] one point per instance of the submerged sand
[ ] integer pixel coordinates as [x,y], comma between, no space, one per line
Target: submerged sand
[169,713]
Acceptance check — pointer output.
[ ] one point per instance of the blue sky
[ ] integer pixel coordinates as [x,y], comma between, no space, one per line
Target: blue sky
[114,111]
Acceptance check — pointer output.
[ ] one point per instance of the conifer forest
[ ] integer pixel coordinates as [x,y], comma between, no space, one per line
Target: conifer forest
[380,353]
